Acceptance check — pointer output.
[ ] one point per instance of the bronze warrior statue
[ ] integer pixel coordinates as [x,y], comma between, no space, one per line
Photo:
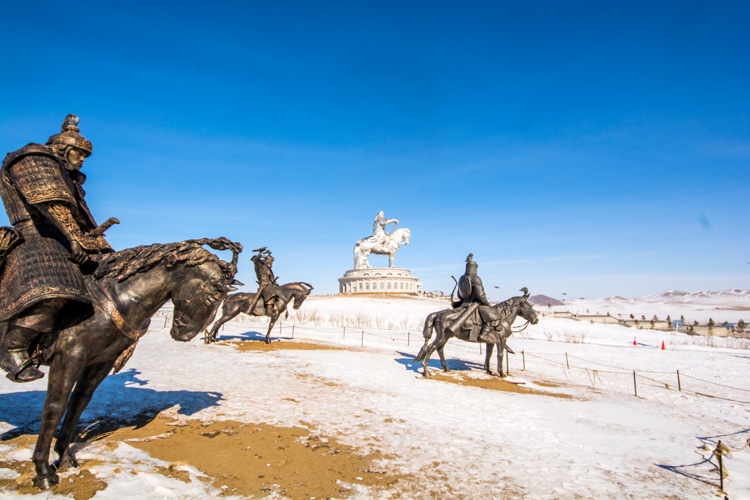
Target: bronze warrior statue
[267,284]
[54,239]
[471,296]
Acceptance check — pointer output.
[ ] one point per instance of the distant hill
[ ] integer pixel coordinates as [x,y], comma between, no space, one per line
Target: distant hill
[543,300]
[702,297]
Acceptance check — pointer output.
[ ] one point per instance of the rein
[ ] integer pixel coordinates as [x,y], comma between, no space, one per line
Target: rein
[522,327]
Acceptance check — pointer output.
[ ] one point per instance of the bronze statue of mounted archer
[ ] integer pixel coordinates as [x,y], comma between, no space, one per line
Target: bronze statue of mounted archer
[474,319]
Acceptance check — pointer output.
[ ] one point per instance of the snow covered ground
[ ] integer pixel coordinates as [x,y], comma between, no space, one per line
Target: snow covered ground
[584,434]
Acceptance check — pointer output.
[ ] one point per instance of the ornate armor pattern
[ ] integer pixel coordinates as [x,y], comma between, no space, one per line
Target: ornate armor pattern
[40,267]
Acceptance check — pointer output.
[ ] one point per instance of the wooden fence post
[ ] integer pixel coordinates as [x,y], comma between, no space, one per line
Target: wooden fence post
[523,356]
[679,385]
[635,385]
[363,338]
[566,360]
[719,456]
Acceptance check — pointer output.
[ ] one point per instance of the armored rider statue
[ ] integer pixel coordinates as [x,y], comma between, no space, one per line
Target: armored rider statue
[471,296]
[56,242]
[263,262]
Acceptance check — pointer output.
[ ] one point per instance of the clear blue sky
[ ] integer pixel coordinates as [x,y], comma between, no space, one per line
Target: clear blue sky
[586,148]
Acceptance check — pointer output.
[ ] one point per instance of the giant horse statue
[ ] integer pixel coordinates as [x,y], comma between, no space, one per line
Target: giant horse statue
[438,321]
[127,289]
[246,303]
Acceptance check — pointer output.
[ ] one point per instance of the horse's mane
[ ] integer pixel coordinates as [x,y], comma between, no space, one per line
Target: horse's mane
[506,305]
[123,264]
[304,287]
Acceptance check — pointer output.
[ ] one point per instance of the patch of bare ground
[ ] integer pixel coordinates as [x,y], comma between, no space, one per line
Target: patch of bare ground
[257,459]
[282,346]
[496,384]
[252,460]
[79,484]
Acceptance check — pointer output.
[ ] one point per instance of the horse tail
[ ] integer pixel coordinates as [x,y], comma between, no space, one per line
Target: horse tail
[429,323]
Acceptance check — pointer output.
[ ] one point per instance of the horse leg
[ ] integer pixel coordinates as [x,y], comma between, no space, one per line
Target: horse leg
[426,360]
[90,379]
[500,354]
[442,358]
[438,343]
[65,371]
[225,317]
[270,326]
[426,333]
[488,357]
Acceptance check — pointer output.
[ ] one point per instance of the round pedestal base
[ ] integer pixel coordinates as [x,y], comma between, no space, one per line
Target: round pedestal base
[388,280]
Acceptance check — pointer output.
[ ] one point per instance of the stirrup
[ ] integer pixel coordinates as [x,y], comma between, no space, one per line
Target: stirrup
[26,364]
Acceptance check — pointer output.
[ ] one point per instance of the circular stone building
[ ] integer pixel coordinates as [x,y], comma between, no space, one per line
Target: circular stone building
[379,280]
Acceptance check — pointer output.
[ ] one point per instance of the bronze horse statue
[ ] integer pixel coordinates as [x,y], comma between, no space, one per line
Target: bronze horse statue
[511,308]
[242,302]
[127,289]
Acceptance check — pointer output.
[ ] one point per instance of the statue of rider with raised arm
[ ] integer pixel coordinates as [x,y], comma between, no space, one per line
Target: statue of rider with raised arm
[53,242]
[471,297]
[378,229]
[263,263]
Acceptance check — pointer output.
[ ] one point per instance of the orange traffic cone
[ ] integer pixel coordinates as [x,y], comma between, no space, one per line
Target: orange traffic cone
[634,342]
[662,346]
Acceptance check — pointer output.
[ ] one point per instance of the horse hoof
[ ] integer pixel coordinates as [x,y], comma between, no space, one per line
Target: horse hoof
[66,462]
[46,482]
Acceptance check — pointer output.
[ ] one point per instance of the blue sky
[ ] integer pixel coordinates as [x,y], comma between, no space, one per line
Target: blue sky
[585,148]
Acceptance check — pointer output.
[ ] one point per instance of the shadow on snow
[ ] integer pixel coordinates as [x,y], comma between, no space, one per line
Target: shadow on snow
[453,363]
[119,398]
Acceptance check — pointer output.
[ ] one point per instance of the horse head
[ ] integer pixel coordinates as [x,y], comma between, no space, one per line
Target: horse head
[300,293]
[526,310]
[405,236]
[204,283]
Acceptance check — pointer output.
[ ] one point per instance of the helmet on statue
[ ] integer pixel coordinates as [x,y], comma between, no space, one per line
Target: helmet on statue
[69,137]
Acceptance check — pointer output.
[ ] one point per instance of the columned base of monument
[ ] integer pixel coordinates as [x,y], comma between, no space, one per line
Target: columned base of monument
[385,280]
